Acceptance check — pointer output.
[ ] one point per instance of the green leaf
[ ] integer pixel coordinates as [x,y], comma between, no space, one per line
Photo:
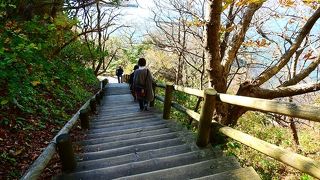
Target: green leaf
[4,102]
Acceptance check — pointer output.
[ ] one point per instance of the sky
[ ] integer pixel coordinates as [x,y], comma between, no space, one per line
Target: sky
[141,12]
[138,17]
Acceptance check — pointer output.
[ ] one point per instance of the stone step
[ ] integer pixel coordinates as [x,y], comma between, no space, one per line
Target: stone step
[132,109]
[247,173]
[191,170]
[129,142]
[135,134]
[123,127]
[125,131]
[116,108]
[130,149]
[122,123]
[120,116]
[132,157]
[142,166]
[103,119]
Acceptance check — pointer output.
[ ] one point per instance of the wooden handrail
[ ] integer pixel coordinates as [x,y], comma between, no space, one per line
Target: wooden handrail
[285,108]
[294,160]
[160,85]
[160,98]
[191,91]
[185,110]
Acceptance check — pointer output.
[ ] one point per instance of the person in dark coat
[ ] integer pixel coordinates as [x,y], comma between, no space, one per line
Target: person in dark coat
[142,83]
[119,73]
[131,82]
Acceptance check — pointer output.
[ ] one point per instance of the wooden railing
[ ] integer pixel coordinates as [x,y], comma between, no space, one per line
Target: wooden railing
[210,96]
[42,161]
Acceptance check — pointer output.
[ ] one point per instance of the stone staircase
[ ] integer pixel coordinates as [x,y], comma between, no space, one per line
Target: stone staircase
[123,143]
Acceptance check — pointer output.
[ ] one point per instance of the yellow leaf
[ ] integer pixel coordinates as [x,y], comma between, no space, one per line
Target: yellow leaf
[263,42]
[35,83]
[18,152]
[286,2]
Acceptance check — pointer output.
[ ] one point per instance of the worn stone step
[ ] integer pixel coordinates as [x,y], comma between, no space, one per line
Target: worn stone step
[142,166]
[122,127]
[130,149]
[133,157]
[133,109]
[122,123]
[108,103]
[119,116]
[103,119]
[247,173]
[129,142]
[135,134]
[114,109]
[118,92]
[191,170]
[125,131]
[129,110]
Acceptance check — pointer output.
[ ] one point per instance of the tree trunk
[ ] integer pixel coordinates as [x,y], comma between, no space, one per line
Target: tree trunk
[217,77]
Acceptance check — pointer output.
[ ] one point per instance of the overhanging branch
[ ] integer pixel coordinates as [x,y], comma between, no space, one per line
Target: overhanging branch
[286,91]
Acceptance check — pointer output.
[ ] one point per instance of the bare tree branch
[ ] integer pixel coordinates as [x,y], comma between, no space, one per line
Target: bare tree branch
[267,74]
[239,37]
[286,91]
[303,74]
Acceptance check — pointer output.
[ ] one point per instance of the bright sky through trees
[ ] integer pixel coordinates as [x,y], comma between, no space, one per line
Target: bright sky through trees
[138,17]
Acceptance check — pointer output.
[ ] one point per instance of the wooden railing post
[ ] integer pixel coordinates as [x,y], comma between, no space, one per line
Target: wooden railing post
[154,93]
[104,83]
[97,97]
[84,119]
[167,101]
[101,94]
[65,151]
[93,105]
[206,117]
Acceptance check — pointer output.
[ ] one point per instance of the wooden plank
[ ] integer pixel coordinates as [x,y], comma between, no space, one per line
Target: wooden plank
[183,109]
[297,161]
[42,161]
[284,108]
[161,85]
[191,91]
[160,98]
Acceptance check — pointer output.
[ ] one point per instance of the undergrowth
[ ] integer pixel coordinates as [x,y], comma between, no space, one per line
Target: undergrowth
[42,85]
[258,125]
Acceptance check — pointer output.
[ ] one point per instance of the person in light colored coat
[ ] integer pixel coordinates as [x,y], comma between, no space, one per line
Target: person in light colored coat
[142,83]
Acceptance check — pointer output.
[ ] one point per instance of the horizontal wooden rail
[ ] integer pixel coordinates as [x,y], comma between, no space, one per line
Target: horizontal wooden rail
[180,108]
[297,161]
[285,108]
[160,98]
[42,161]
[185,110]
[191,91]
[161,85]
